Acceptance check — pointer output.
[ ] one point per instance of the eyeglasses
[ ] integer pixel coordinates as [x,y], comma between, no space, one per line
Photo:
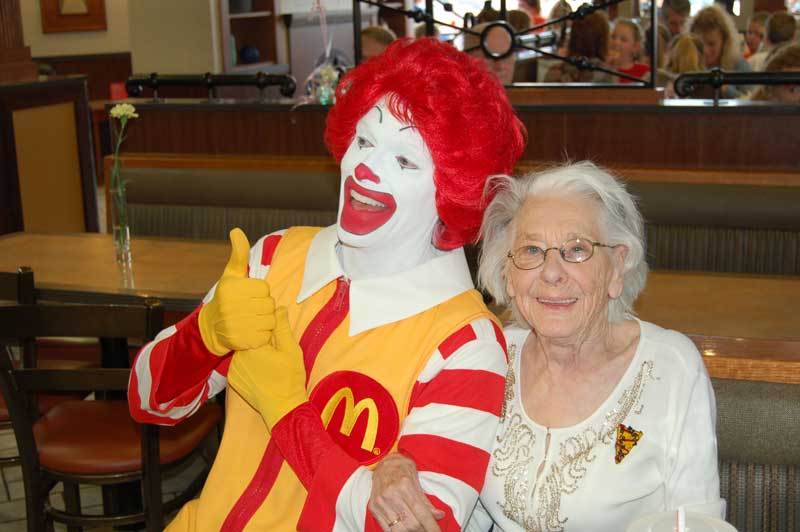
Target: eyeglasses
[576,250]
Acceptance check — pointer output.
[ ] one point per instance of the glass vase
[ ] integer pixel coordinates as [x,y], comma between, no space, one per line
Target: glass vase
[120,229]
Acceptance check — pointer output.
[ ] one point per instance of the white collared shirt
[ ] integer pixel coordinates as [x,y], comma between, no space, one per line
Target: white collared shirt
[382,300]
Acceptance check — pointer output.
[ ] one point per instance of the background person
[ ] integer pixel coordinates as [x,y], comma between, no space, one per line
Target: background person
[720,45]
[780,28]
[607,417]
[497,40]
[625,49]
[374,40]
[675,13]
[685,55]
[784,59]
[756,30]
[587,38]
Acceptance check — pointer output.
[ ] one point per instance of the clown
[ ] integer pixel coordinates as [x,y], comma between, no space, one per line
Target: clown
[343,344]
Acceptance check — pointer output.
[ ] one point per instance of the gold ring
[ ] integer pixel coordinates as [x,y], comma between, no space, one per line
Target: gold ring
[399,518]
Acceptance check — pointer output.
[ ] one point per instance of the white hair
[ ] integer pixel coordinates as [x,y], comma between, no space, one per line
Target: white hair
[620,223]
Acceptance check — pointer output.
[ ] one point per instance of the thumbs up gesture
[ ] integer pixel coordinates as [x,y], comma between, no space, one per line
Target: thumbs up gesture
[272,377]
[241,315]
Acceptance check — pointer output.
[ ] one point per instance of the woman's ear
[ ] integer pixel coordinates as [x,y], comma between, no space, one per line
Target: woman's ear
[619,253]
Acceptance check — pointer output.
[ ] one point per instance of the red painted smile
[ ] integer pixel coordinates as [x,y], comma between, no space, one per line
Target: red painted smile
[365,210]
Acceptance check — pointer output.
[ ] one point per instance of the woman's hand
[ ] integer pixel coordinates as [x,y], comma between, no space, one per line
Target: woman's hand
[397,500]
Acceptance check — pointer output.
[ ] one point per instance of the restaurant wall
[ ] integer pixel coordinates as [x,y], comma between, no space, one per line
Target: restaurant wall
[175,36]
[116,37]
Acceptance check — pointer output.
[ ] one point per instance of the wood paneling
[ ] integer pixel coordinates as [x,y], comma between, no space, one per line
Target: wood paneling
[765,178]
[227,129]
[15,57]
[10,25]
[100,69]
[50,187]
[51,91]
[683,136]
[751,359]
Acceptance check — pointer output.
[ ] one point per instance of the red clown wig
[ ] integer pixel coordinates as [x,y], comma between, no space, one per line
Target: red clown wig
[461,112]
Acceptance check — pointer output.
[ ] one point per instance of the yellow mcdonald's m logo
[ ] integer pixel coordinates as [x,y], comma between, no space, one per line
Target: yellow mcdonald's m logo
[352,411]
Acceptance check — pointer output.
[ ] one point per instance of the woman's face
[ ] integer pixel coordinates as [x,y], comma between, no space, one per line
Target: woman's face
[712,47]
[623,44]
[754,36]
[561,300]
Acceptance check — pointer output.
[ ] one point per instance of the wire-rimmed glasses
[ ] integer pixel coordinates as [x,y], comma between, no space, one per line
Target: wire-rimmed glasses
[574,250]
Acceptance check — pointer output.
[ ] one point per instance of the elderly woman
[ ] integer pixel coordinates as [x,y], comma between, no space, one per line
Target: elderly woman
[606,417]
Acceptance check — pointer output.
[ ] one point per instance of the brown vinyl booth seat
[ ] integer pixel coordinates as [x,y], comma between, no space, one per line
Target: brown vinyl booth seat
[205,197]
[758,434]
[721,227]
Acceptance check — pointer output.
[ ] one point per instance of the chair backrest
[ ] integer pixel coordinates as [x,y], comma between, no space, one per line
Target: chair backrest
[758,434]
[17,286]
[113,324]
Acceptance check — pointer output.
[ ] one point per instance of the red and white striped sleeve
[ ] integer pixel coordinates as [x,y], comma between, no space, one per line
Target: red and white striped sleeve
[175,373]
[453,416]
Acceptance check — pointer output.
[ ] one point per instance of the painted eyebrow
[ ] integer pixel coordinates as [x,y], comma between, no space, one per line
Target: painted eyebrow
[380,114]
[406,127]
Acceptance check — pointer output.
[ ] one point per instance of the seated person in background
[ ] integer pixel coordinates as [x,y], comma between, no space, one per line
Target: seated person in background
[374,40]
[625,50]
[720,45]
[756,30]
[664,37]
[588,38]
[497,40]
[606,417]
[419,31]
[674,14]
[685,55]
[393,338]
[561,9]
[785,58]
[517,18]
[781,28]
[534,10]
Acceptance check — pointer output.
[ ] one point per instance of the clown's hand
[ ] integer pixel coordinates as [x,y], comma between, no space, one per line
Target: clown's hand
[241,315]
[271,378]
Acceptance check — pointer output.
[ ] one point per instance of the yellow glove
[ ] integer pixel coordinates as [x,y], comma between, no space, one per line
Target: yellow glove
[241,315]
[271,378]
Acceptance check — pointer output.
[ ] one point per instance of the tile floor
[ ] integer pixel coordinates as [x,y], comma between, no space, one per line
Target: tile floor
[12,492]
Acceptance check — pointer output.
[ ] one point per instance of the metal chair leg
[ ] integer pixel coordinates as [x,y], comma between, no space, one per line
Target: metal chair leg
[72,502]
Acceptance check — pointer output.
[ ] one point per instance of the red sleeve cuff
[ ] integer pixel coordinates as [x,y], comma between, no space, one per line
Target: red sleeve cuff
[185,360]
[319,511]
[303,441]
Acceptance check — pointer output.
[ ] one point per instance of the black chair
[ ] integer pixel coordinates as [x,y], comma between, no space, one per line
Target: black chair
[93,441]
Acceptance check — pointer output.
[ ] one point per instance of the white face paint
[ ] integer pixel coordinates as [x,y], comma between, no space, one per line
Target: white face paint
[387,208]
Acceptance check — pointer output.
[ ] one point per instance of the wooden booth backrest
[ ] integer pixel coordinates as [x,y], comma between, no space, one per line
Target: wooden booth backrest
[204,197]
[723,221]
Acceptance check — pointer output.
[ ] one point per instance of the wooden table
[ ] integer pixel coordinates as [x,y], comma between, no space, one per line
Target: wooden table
[712,304]
[80,267]
[746,326]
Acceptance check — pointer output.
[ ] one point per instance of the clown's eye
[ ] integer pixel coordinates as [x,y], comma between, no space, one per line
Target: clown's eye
[363,143]
[405,164]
